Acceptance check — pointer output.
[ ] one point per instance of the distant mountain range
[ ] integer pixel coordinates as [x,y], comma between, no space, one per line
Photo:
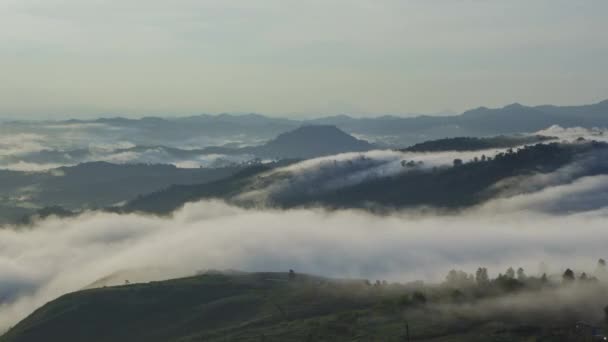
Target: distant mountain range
[481,121]
[389,130]
[301,143]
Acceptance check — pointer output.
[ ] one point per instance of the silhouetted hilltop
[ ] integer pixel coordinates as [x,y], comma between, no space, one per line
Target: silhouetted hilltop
[476,144]
[99,184]
[302,143]
[312,141]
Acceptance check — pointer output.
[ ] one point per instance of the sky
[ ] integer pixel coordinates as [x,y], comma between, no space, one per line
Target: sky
[293,58]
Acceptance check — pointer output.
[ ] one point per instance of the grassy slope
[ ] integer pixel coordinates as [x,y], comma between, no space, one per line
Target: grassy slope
[259,307]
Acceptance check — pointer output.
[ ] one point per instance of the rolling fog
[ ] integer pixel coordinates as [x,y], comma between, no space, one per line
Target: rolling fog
[558,220]
[57,256]
[41,146]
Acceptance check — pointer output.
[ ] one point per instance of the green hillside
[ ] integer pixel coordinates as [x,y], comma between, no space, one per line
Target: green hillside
[280,307]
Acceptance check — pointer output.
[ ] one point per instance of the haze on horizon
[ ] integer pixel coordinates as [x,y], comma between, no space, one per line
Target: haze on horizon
[68,58]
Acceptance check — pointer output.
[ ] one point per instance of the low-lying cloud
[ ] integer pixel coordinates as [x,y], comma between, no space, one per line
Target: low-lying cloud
[573,133]
[561,223]
[57,256]
[347,169]
[41,146]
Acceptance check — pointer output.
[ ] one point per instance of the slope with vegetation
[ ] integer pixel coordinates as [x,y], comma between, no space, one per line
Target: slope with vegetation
[167,200]
[91,185]
[292,307]
[464,184]
[476,144]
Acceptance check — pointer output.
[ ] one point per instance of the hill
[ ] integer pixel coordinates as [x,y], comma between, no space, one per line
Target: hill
[476,144]
[167,200]
[462,185]
[293,307]
[302,143]
[95,184]
[309,142]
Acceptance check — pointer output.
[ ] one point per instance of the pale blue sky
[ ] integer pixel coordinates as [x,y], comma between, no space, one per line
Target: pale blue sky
[75,58]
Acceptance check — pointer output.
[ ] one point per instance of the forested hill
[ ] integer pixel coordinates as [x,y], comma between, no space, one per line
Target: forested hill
[476,144]
[288,306]
[464,184]
[100,184]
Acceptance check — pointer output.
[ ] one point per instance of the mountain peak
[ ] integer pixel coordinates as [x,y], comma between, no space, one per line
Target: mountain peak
[318,128]
[315,132]
[514,105]
[315,140]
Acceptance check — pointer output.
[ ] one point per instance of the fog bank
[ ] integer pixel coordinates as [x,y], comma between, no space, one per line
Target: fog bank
[63,255]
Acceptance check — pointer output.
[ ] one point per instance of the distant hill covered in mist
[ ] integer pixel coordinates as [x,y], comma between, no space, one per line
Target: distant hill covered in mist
[302,143]
[389,130]
[92,185]
[463,184]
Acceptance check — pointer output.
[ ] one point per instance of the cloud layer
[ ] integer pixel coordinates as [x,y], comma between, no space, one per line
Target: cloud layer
[559,220]
[41,146]
[62,255]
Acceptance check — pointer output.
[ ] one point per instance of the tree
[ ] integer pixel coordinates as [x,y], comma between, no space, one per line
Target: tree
[457,296]
[419,298]
[510,273]
[459,278]
[481,276]
[583,277]
[568,276]
[521,275]
[543,268]
[600,270]
[457,162]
